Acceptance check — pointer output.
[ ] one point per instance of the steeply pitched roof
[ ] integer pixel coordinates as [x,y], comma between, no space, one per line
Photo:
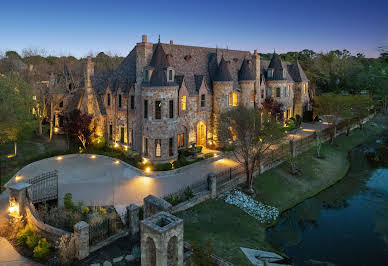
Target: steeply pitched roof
[297,72]
[245,72]
[223,73]
[159,58]
[198,81]
[277,66]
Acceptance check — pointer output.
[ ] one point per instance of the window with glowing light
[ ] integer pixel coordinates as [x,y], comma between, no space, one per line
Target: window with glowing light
[233,99]
[158,148]
[183,103]
[252,96]
[181,140]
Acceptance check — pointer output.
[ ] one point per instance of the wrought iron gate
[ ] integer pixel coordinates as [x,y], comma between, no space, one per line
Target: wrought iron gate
[43,187]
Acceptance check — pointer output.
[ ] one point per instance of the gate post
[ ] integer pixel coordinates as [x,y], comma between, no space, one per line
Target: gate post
[18,197]
[293,147]
[81,233]
[213,184]
[133,219]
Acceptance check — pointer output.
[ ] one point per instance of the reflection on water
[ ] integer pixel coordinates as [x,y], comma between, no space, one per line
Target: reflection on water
[346,224]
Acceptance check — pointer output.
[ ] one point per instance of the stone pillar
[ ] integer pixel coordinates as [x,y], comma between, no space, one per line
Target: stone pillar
[293,147]
[18,196]
[162,240]
[133,219]
[154,205]
[212,184]
[81,233]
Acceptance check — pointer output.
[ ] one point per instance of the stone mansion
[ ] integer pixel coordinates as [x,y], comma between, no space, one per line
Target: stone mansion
[163,97]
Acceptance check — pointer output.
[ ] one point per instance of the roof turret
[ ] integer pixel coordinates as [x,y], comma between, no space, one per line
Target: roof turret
[245,72]
[223,73]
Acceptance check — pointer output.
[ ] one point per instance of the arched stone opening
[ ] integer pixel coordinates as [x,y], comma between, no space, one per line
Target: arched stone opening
[201,134]
[172,251]
[150,251]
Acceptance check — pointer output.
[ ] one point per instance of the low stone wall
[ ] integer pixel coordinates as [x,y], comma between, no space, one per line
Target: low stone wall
[51,233]
[198,198]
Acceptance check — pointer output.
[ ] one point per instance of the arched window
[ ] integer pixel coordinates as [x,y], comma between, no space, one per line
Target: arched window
[233,99]
[183,103]
[278,92]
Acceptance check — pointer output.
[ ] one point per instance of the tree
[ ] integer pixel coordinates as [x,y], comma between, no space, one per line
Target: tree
[15,107]
[330,106]
[273,107]
[79,125]
[356,107]
[252,133]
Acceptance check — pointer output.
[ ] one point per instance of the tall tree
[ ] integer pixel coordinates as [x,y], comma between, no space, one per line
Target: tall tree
[80,126]
[251,133]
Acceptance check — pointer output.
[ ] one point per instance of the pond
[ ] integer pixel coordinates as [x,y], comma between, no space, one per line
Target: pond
[346,224]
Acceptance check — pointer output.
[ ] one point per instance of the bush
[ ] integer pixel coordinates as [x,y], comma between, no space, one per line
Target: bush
[68,202]
[66,249]
[163,167]
[99,142]
[33,240]
[24,234]
[101,211]
[175,199]
[42,250]
[198,148]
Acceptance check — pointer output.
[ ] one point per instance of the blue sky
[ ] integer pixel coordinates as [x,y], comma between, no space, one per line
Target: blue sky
[80,27]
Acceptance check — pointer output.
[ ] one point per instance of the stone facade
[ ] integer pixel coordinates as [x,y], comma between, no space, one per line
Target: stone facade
[191,85]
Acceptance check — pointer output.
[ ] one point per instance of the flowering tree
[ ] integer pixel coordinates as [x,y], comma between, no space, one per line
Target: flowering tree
[251,133]
[79,125]
[270,105]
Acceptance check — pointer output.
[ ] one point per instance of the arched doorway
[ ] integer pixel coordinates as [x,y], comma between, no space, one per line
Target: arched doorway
[172,251]
[150,252]
[201,134]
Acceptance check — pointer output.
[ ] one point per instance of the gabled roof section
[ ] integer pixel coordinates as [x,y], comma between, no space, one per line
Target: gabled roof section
[297,72]
[245,72]
[198,81]
[223,73]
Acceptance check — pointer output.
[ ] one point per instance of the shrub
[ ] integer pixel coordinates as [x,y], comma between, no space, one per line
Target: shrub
[33,240]
[66,249]
[101,211]
[42,250]
[188,192]
[23,234]
[163,167]
[99,142]
[68,201]
[85,211]
[198,148]
[175,199]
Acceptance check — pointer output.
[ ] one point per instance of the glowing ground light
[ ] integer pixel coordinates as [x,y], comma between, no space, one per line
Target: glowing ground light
[93,157]
[116,145]
[117,162]
[13,208]
[59,158]
[17,178]
[148,170]
[309,130]
[215,155]
[144,161]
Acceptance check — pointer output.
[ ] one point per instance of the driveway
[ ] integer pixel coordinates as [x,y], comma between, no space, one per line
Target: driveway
[103,181]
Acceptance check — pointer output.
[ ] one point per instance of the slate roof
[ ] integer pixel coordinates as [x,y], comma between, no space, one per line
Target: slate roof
[223,73]
[297,72]
[277,65]
[245,72]
[294,71]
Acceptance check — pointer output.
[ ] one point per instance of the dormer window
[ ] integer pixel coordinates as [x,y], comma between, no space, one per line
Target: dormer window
[270,73]
[170,74]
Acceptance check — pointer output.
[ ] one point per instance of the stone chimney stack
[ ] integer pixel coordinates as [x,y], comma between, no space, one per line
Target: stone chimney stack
[89,72]
[144,38]
[171,42]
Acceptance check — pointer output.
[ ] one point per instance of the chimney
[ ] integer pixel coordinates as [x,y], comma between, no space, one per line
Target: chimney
[144,38]
[171,42]
[255,52]
[89,72]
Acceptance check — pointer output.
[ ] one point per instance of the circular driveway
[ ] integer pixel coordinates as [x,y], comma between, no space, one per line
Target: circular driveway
[101,180]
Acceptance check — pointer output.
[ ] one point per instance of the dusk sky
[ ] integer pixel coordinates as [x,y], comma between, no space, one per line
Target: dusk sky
[80,27]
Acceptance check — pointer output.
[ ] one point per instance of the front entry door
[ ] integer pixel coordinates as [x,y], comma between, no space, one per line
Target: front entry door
[201,134]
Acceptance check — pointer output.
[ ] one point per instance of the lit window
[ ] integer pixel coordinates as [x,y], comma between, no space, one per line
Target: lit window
[183,103]
[278,92]
[34,98]
[181,140]
[252,96]
[158,151]
[233,99]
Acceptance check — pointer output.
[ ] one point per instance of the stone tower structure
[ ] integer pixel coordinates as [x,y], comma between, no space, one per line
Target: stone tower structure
[246,80]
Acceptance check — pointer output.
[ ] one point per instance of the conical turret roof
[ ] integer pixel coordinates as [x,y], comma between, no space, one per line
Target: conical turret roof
[276,65]
[245,72]
[160,63]
[223,73]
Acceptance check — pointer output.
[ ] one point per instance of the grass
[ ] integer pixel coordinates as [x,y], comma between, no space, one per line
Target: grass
[229,228]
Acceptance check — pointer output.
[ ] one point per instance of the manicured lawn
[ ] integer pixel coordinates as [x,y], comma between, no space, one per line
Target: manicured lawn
[229,228]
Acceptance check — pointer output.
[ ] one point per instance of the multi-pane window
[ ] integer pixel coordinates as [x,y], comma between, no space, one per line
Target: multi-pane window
[251,96]
[120,101]
[108,99]
[158,110]
[170,75]
[233,99]
[170,147]
[171,108]
[203,100]
[110,132]
[132,102]
[183,103]
[181,140]
[158,148]
[268,92]
[262,94]
[278,92]
[145,108]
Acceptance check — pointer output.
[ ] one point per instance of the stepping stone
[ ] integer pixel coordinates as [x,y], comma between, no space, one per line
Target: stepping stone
[95,264]
[118,259]
[260,257]
[129,258]
[107,263]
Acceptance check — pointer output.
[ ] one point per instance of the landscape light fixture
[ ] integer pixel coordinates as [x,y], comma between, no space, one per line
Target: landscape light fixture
[59,158]
[148,170]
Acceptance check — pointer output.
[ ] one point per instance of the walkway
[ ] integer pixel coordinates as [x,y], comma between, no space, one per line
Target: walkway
[100,181]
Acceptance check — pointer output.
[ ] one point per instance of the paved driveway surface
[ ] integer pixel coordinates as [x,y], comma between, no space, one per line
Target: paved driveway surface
[101,181]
